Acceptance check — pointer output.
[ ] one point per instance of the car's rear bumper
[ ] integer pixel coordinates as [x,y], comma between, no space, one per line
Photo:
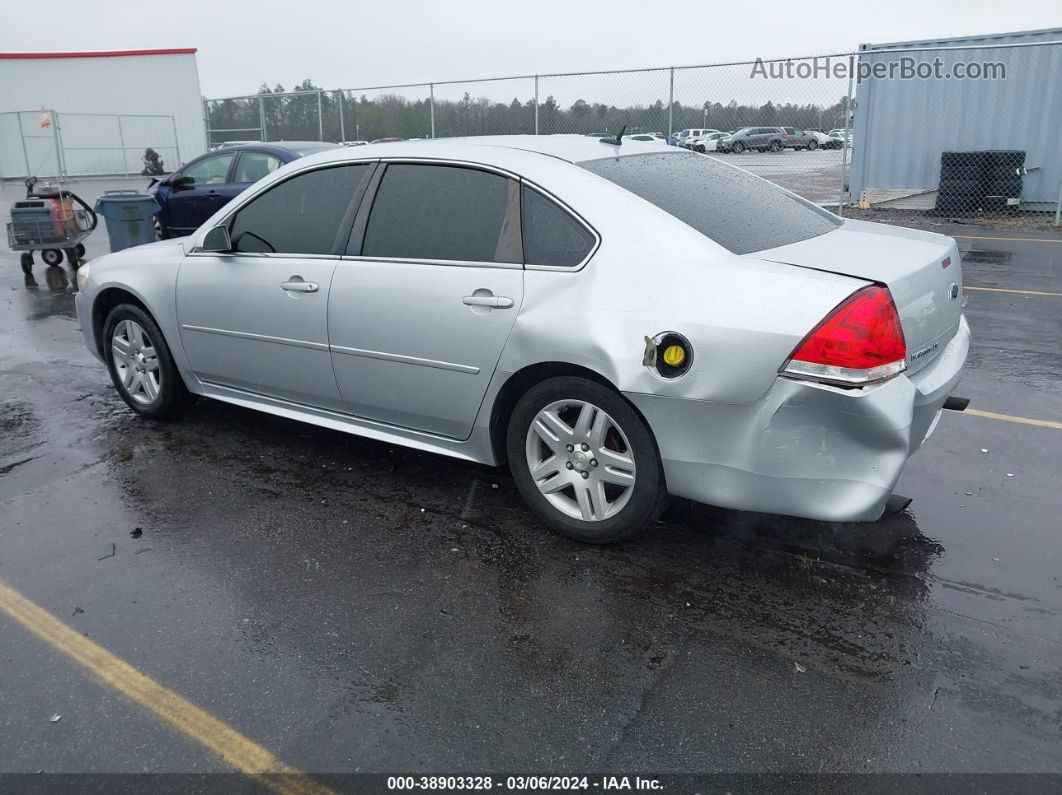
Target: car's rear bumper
[805,449]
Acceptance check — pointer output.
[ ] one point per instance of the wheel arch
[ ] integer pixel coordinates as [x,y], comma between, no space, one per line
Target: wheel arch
[523,379]
[105,301]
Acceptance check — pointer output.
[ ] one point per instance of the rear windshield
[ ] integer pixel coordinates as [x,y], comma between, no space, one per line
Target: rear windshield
[735,209]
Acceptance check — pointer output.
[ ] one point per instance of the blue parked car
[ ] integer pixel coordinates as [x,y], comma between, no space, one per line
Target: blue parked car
[189,196]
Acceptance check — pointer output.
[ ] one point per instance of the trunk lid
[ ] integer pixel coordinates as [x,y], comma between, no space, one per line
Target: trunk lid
[928,296]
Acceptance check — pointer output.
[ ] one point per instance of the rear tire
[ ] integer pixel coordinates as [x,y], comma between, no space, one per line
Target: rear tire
[610,485]
[776,146]
[141,365]
[813,144]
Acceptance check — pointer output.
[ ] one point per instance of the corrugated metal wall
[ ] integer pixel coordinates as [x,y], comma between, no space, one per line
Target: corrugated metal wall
[902,126]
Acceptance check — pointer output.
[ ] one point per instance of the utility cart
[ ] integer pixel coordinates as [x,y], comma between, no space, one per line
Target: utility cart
[51,220]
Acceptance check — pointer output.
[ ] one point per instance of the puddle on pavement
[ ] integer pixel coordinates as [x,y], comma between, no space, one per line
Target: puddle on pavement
[986,256]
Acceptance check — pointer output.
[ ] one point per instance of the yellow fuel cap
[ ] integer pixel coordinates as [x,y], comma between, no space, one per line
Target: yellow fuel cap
[674,355]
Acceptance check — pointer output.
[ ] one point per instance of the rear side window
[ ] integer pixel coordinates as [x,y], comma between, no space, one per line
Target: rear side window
[252,166]
[738,211]
[551,236]
[301,215]
[424,211]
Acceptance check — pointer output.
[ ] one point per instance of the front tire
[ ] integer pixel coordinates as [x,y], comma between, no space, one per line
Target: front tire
[813,145]
[141,365]
[737,148]
[585,461]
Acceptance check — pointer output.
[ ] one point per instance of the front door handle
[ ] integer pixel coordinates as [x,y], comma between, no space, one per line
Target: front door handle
[492,301]
[297,285]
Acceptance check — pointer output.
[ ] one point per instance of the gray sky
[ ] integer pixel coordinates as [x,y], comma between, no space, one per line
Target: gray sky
[341,44]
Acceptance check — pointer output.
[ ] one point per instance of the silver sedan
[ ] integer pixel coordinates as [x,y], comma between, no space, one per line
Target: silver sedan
[618,322]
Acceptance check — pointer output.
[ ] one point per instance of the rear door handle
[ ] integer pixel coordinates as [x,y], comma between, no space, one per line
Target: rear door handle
[299,286]
[492,301]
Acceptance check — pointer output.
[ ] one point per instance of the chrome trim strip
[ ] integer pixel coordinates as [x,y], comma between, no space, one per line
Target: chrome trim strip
[394,357]
[233,206]
[451,262]
[449,161]
[313,346]
[197,252]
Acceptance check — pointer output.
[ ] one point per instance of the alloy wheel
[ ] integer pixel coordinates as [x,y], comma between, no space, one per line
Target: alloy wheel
[580,460]
[136,361]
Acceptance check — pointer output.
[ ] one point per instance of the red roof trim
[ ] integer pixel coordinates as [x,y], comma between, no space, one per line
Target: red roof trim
[14,56]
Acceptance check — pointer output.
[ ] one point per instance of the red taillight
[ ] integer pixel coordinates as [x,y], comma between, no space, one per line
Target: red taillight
[859,342]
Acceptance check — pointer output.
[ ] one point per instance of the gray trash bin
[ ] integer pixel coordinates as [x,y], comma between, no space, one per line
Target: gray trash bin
[129,215]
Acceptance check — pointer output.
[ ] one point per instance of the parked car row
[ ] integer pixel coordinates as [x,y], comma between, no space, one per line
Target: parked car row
[760,139]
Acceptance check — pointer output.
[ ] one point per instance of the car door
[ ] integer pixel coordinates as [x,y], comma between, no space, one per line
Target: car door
[420,310]
[195,192]
[255,319]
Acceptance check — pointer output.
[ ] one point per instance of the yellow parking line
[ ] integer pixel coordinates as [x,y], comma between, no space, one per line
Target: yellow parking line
[1015,239]
[1009,418]
[232,747]
[1010,290]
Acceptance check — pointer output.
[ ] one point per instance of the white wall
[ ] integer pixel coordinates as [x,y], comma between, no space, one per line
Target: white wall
[163,85]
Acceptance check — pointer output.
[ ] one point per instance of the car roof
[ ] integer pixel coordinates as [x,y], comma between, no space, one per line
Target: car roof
[572,148]
[289,146]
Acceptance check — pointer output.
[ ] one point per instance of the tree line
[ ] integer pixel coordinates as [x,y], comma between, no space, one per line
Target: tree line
[346,115]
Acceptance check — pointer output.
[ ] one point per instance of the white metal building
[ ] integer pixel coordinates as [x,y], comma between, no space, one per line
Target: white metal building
[96,112]
[903,125]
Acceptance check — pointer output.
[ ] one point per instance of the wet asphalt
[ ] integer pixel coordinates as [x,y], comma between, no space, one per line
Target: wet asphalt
[354,606]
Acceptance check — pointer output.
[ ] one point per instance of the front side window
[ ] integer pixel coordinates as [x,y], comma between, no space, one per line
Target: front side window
[213,170]
[551,236]
[424,211]
[737,210]
[301,215]
[252,166]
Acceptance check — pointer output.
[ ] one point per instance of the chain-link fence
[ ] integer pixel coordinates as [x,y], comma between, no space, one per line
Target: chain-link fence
[46,143]
[950,130]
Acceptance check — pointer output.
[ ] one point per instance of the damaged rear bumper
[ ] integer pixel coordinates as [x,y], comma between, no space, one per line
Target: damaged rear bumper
[804,449]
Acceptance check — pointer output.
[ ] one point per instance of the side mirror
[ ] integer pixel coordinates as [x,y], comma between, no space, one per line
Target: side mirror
[181,183]
[217,239]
